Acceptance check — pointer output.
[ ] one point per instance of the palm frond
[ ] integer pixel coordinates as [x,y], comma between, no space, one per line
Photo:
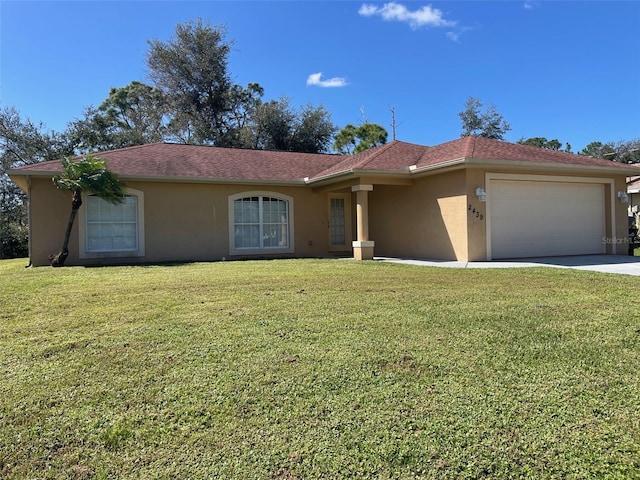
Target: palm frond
[90,174]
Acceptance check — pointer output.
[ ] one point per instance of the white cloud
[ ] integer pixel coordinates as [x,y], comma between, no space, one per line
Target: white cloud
[316,80]
[454,36]
[367,10]
[423,17]
[531,5]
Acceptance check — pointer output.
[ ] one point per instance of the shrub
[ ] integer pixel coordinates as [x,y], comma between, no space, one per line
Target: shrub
[14,240]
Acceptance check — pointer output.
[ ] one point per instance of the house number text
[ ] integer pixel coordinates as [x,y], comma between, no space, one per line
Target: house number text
[475,212]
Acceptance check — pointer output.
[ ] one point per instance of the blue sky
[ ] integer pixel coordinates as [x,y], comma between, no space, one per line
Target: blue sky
[565,70]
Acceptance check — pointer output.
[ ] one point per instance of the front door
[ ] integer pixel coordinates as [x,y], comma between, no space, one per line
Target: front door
[339,222]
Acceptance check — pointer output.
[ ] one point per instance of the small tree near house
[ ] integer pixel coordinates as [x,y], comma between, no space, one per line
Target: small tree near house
[90,175]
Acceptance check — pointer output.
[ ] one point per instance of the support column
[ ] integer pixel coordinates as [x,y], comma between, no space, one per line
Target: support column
[363,247]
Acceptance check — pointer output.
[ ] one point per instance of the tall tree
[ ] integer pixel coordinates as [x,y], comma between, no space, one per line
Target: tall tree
[90,175]
[542,142]
[131,115]
[599,150]
[244,104]
[488,123]
[313,130]
[277,126]
[191,69]
[352,139]
[627,151]
[91,132]
[623,151]
[272,125]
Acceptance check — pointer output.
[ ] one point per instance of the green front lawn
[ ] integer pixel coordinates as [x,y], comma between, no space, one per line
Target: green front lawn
[317,369]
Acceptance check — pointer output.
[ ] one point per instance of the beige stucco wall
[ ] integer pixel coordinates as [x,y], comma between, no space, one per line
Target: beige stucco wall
[49,214]
[425,220]
[476,216]
[441,217]
[183,222]
[438,217]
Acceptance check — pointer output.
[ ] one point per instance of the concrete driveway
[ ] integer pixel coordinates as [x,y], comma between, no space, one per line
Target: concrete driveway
[621,264]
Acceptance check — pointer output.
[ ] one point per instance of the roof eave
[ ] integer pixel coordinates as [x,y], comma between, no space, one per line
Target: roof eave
[522,165]
[167,179]
[19,172]
[21,177]
[569,167]
[355,172]
[415,170]
[21,180]
[212,180]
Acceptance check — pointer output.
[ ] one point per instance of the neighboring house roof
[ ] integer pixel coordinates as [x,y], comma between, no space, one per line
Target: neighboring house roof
[178,162]
[633,184]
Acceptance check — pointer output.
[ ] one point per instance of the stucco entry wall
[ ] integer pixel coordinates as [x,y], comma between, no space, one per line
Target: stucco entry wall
[476,216]
[425,220]
[183,222]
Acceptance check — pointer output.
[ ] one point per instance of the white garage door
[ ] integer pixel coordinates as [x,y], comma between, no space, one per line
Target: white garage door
[535,219]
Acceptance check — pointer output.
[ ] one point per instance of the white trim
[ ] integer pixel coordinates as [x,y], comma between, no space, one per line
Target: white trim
[260,251]
[82,231]
[542,178]
[29,219]
[363,243]
[569,168]
[414,169]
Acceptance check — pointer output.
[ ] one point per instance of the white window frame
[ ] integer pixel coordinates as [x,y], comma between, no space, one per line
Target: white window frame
[84,251]
[233,250]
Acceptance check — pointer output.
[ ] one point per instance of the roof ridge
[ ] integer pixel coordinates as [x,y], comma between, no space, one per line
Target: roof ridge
[258,150]
[473,145]
[131,147]
[378,151]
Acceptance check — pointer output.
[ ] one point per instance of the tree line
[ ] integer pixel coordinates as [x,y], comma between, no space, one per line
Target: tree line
[192,99]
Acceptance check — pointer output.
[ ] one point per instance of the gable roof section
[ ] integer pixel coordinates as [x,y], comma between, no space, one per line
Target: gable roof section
[393,156]
[479,148]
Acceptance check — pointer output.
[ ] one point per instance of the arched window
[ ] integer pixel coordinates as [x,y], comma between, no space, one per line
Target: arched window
[260,222]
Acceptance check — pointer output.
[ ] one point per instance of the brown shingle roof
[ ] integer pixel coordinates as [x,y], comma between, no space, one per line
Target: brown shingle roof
[486,149]
[166,160]
[395,155]
[398,155]
[177,161]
